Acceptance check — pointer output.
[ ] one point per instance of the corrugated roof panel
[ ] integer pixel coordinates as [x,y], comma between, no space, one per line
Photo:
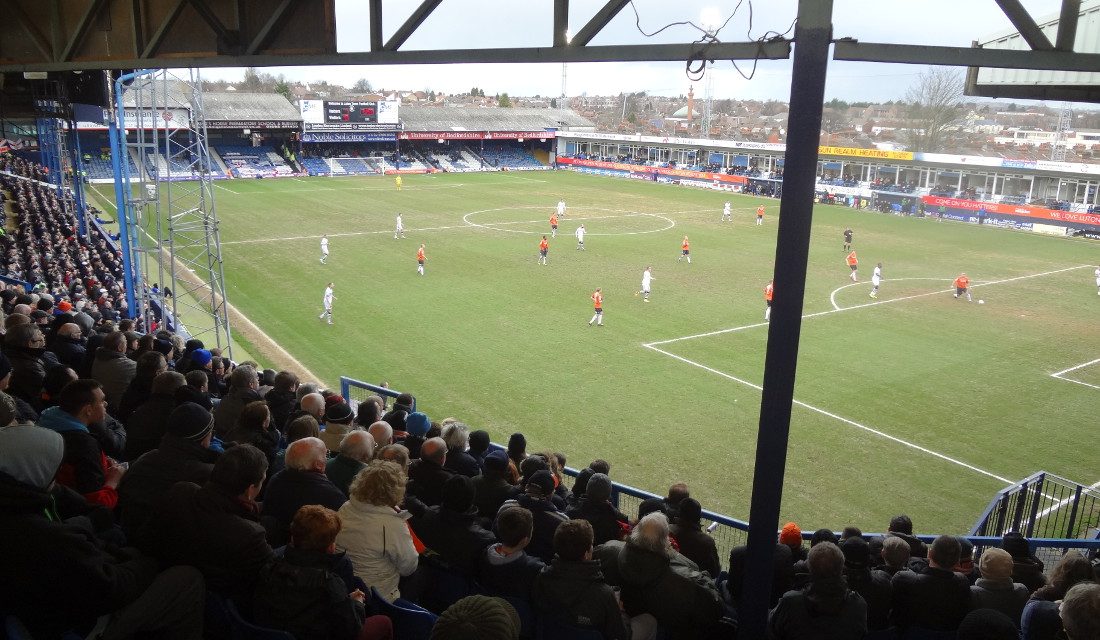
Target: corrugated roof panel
[1087,41]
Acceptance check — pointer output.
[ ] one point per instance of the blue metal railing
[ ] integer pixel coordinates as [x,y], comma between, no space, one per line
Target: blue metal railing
[729,532]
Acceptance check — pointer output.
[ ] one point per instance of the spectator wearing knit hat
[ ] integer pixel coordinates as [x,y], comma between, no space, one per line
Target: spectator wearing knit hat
[791,536]
[338,417]
[608,523]
[536,498]
[58,562]
[183,455]
[871,584]
[697,545]
[492,488]
[995,589]
[417,426]
[453,529]
[481,617]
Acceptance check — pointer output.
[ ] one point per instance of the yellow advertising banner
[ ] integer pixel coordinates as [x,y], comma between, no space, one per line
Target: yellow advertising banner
[865,153]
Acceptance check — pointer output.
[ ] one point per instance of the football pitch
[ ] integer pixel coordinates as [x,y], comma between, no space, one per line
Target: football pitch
[912,402]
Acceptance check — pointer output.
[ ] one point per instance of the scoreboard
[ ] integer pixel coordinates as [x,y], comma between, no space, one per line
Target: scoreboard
[335,115]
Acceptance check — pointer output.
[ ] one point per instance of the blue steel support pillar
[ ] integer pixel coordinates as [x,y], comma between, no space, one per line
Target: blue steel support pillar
[813,35]
[76,157]
[127,236]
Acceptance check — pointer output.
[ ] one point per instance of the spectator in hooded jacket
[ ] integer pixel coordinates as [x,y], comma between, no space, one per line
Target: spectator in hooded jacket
[536,498]
[85,467]
[63,578]
[504,568]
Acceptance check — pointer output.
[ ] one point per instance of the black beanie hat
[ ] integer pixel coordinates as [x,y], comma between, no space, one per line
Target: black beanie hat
[480,617]
[987,624]
[190,422]
[458,494]
[857,553]
[479,441]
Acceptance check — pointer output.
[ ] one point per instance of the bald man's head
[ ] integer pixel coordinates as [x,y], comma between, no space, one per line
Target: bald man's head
[382,432]
[314,404]
[434,450]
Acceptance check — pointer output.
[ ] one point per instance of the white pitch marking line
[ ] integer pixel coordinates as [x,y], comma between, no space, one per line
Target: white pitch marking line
[862,306]
[832,296]
[1091,386]
[1060,503]
[227,189]
[1080,366]
[823,412]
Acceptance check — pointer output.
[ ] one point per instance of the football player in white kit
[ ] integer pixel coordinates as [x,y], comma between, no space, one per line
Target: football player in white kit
[561,208]
[876,280]
[647,278]
[727,215]
[324,248]
[399,228]
[327,302]
[1097,273]
[580,238]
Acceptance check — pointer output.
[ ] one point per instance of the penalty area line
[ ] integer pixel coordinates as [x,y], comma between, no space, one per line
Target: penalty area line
[828,414]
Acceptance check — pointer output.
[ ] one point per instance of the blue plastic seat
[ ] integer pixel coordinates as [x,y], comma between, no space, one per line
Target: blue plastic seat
[409,623]
[527,618]
[551,629]
[245,630]
[446,587]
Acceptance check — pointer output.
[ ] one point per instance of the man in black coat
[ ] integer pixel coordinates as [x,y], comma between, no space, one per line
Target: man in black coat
[457,437]
[215,528]
[695,544]
[871,584]
[282,398]
[683,599]
[452,529]
[427,474]
[25,347]
[146,425]
[183,455]
[302,482]
[608,523]
[58,576]
[572,588]
[491,488]
[825,608]
[902,527]
[68,345]
[244,382]
[935,598]
[536,499]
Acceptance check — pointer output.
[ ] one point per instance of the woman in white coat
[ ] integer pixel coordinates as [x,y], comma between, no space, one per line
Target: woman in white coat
[375,534]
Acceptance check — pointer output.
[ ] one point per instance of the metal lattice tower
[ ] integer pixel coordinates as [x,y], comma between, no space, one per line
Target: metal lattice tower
[1065,123]
[708,100]
[170,204]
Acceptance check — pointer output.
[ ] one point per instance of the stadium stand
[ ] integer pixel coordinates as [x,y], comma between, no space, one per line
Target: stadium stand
[253,162]
[193,497]
[509,156]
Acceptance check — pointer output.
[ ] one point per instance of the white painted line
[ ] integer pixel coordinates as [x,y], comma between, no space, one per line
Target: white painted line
[834,416]
[1075,368]
[1086,384]
[1058,505]
[226,189]
[864,305]
[832,296]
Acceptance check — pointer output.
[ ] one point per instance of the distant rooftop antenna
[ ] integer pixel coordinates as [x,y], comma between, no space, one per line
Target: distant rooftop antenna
[1065,123]
[710,19]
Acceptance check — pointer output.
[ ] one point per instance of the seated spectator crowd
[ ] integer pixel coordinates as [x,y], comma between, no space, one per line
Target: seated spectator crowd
[46,250]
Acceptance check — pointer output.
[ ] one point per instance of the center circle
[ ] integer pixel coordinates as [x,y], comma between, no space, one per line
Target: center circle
[611,213]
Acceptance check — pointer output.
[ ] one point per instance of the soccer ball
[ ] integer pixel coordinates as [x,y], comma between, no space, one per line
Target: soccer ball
[981,302]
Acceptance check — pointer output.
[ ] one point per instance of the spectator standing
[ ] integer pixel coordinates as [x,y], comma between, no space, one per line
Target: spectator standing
[149,365]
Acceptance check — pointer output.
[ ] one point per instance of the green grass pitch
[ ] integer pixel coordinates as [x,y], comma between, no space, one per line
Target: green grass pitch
[917,404]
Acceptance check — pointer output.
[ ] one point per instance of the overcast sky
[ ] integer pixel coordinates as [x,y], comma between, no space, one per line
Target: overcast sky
[527,23]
